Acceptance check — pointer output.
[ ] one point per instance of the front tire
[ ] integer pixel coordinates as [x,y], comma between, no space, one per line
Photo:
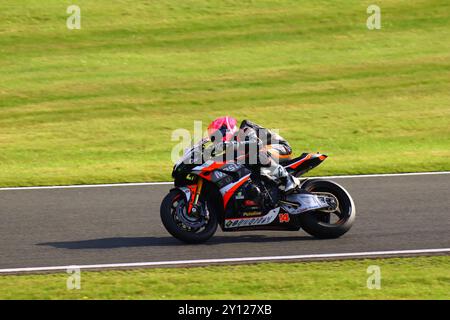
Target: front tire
[184,227]
[318,223]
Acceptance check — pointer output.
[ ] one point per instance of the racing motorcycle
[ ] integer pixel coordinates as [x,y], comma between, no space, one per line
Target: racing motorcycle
[209,192]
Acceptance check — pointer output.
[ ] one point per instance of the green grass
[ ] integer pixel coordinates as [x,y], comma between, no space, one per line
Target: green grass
[401,278]
[99,104]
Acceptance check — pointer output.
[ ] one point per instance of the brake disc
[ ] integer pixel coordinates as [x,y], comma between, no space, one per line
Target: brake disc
[191,221]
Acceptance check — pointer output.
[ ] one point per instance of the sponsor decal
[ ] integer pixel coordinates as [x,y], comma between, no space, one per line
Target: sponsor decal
[231,167]
[239,196]
[284,217]
[251,213]
[256,221]
[219,174]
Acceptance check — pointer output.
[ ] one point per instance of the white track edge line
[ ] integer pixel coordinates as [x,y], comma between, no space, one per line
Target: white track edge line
[135,184]
[228,260]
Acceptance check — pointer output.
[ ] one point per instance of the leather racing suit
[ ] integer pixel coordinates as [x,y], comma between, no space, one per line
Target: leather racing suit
[254,145]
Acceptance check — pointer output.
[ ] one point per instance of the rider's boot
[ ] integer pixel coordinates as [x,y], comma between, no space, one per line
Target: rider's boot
[287,182]
[290,183]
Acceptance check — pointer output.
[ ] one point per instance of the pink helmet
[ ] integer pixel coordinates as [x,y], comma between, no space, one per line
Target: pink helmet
[224,127]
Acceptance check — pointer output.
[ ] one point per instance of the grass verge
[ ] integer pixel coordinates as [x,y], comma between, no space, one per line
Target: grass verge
[100,104]
[401,278]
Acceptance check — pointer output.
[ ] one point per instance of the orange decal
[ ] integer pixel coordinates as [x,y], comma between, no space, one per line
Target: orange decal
[193,189]
[296,164]
[213,166]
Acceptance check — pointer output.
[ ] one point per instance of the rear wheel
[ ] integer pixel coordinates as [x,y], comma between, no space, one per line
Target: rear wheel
[188,227]
[327,224]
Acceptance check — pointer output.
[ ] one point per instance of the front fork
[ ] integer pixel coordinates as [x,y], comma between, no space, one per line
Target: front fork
[195,195]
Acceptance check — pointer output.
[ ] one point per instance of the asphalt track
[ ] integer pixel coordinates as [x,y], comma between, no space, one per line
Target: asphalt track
[121,224]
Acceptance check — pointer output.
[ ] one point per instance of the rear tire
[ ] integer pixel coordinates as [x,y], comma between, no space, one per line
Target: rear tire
[317,223]
[173,226]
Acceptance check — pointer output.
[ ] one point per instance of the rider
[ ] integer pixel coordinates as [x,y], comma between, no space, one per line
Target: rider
[256,145]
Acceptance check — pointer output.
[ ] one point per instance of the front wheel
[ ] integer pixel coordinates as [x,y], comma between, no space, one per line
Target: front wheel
[328,224]
[187,227]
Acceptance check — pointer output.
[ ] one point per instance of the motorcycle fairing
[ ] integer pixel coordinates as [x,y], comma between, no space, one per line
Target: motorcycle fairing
[230,189]
[304,163]
[221,173]
[187,191]
[207,166]
[297,203]
[268,218]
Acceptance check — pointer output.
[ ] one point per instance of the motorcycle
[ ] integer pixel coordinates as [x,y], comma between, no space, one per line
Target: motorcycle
[211,192]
